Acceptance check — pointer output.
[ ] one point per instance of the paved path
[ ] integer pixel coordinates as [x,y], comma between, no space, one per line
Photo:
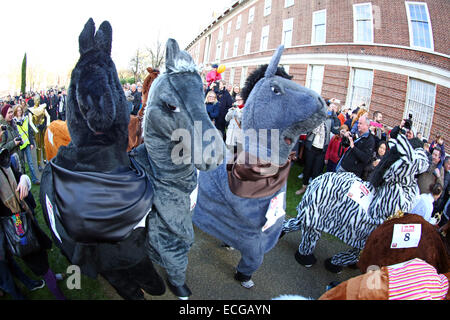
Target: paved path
[211,269]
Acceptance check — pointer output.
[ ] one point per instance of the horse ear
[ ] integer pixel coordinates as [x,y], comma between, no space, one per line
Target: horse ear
[86,38]
[273,65]
[103,37]
[172,49]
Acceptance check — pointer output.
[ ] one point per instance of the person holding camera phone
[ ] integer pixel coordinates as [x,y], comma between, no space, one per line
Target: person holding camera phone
[11,139]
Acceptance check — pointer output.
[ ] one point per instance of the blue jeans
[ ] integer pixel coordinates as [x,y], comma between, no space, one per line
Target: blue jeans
[8,269]
[26,152]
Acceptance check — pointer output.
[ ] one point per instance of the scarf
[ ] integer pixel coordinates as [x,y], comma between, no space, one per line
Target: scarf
[8,194]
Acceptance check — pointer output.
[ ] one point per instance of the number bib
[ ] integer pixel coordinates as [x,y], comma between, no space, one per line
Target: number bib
[406,236]
[359,193]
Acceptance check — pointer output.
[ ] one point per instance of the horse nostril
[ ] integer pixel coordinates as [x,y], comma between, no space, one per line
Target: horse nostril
[288,141]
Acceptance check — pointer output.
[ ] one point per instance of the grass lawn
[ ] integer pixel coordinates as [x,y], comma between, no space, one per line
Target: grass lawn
[94,289]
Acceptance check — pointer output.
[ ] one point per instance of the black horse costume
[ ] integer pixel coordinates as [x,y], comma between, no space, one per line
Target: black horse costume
[95,197]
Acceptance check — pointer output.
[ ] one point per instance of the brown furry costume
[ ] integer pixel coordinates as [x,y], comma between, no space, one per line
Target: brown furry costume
[135,126]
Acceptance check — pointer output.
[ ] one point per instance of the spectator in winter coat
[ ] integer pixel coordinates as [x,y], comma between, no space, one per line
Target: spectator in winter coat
[336,148]
[361,150]
[316,145]
[212,106]
[439,143]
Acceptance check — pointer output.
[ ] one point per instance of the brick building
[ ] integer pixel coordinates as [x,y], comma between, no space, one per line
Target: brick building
[393,55]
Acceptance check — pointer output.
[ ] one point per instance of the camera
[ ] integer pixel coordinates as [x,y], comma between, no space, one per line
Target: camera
[4,157]
[20,140]
[19,123]
[4,128]
[345,142]
[408,122]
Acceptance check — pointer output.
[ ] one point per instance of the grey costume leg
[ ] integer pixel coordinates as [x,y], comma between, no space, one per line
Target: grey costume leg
[346,258]
[169,250]
[249,263]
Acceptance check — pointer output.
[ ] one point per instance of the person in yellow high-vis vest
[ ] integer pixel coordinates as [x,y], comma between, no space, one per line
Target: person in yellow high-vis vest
[23,123]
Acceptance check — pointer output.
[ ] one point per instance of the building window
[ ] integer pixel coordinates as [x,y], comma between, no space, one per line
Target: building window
[288,3]
[362,23]
[264,38]
[238,22]
[360,88]
[218,51]
[420,104]
[220,37]
[420,33]
[231,80]
[225,51]
[248,42]
[251,14]
[206,52]
[319,28]
[229,27]
[314,78]
[243,76]
[286,37]
[235,47]
[267,7]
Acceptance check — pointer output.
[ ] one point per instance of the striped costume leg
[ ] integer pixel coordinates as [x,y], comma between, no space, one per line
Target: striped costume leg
[346,258]
[310,236]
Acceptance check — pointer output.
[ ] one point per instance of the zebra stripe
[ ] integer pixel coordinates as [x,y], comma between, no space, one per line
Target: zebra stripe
[325,206]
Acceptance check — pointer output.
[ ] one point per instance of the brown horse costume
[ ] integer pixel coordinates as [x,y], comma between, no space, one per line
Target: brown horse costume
[135,126]
[432,246]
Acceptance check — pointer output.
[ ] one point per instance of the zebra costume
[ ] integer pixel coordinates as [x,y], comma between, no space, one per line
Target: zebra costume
[330,205]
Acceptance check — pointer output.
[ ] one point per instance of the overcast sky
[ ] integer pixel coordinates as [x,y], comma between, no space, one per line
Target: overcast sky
[47,30]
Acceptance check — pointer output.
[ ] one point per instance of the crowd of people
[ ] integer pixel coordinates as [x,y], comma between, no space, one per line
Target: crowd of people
[348,141]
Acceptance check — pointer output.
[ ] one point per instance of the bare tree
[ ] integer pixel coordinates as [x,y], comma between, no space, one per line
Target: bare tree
[156,54]
[138,64]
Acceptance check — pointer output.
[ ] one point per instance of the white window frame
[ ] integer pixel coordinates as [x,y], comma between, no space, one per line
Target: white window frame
[267,7]
[238,22]
[421,111]
[265,29]
[244,72]
[355,24]
[235,46]
[351,86]
[251,15]
[309,77]
[314,24]
[288,3]
[229,26]
[232,73]
[220,36]
[218,51]
[287,32]
[225,50]
[248,42]
[410,26]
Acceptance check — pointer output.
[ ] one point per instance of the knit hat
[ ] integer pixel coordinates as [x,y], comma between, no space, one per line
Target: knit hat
[5,110]
[215,65]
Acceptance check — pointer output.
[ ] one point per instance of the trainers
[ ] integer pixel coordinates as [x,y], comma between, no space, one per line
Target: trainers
[38,285]
[226,246]
[306,261]
[245,281]
[332,267]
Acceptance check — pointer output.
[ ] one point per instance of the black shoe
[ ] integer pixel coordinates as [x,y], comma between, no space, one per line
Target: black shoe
[182,292]
[306,261]
[332,267]
[246,281]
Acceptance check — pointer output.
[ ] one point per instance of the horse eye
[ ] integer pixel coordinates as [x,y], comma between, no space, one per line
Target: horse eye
[173,108]
[276,90]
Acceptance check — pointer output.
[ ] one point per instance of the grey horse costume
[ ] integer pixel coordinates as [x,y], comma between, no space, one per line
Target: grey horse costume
[242,201]
[95,198]
[177,137]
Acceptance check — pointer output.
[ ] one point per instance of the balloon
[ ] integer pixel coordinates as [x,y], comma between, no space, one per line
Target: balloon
[221,68]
